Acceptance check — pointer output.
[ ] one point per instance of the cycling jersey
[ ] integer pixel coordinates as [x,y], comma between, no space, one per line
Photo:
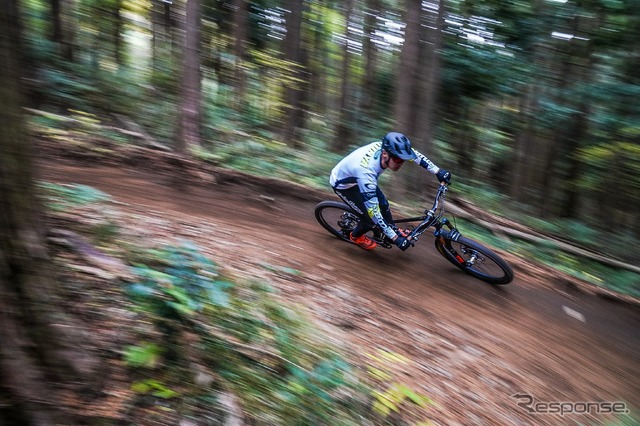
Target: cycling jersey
[362,168]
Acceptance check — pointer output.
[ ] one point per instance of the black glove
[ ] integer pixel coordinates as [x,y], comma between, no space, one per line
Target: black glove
[444,176]
[402,243]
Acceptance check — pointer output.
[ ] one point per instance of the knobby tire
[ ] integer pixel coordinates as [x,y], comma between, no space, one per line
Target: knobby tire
[329,212]
[488,267]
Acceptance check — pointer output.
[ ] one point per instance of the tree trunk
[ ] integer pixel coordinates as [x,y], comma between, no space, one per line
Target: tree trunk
[406,71]
[117,33]
[69,28]
[574,69]
[428,82]
[343,134]
[35,351]
[191,94]
[370,52]
[319,62]
[294,116]
[56,22]
[240,30]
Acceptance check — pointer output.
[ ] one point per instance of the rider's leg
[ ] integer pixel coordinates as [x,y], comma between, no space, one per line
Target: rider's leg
[362,228]
[354,199]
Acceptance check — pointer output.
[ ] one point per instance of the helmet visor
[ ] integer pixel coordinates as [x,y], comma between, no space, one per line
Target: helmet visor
[405,156]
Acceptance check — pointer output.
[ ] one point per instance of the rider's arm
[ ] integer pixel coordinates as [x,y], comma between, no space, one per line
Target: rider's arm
[424,162]
[373,210]
[443,175]
[368,187]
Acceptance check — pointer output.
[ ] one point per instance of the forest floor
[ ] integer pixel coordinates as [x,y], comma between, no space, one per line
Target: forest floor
[472,346]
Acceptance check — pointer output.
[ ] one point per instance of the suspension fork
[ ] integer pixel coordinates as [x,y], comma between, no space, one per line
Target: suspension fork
[451,234]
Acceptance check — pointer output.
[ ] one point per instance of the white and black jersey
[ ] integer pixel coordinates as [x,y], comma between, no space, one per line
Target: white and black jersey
[362,168]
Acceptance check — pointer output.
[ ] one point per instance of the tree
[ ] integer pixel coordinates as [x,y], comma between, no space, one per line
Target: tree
[160,31]
[35,355]
[343,132]
[370,52]
[118,32]
[407,69]
[428,82]
[64,27]
[191,93]
[293,52]
[240,33]
[407,81]
[319,63]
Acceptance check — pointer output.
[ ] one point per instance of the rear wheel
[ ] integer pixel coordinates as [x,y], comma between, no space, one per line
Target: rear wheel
[337,218]
[475,259]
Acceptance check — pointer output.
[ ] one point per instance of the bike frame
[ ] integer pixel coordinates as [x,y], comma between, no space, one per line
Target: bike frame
[433,217]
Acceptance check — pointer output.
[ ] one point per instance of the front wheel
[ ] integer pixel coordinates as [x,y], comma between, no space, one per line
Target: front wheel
[475,259]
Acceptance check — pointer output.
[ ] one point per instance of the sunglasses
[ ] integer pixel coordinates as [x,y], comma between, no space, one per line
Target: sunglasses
[396,160]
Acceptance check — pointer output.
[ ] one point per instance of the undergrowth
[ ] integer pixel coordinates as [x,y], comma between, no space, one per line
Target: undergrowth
[254,346]
[249,343]
[207,346]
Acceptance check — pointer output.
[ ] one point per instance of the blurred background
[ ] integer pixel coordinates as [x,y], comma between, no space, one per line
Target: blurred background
[532,105]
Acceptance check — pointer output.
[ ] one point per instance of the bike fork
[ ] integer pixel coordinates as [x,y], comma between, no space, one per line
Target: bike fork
[452,234]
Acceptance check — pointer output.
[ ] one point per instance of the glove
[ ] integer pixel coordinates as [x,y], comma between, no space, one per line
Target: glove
[402,243]
[444,176]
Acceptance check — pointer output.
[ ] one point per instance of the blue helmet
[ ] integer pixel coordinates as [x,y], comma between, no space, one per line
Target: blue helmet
[398,145]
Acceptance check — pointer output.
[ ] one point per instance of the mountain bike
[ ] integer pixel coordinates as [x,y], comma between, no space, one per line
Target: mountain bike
[470,256]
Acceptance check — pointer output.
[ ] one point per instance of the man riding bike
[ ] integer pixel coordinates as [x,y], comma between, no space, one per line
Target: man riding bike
[355,180]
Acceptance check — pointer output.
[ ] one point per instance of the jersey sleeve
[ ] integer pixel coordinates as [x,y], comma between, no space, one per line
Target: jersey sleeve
[424,162]
[368,186]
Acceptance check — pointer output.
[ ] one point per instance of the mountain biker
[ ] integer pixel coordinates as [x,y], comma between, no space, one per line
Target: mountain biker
[355,180]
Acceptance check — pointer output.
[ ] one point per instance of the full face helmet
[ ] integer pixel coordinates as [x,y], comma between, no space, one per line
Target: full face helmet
[398,145]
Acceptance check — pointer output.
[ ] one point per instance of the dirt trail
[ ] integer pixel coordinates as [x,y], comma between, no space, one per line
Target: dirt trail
[472,346]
